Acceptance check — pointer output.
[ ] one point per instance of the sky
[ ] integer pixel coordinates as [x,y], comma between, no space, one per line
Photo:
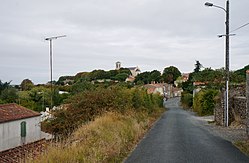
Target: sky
[150,34]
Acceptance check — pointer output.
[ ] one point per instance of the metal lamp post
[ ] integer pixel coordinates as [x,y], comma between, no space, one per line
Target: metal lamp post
[226,55]
[51,63]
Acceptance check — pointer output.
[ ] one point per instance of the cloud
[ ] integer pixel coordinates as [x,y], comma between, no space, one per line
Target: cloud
[145,33]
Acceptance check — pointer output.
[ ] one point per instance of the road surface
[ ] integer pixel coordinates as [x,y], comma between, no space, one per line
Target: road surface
[179,137]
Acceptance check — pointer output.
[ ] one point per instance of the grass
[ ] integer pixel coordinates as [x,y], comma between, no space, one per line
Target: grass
[110,138]
[243,146]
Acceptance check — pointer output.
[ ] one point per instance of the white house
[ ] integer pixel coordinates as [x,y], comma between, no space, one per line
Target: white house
[18,126]
[134,71]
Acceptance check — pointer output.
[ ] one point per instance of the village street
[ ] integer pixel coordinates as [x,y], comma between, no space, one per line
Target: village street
[181,137]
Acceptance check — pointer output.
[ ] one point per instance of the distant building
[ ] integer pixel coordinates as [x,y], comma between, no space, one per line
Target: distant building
[118,65]
[18,126]
[182,79]
[134,71]
[166,90]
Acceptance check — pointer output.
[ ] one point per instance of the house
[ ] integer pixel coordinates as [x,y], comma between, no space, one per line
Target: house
[166,90]
[182,79]
[18,126]
[198,86]
[134,71]
[155,88]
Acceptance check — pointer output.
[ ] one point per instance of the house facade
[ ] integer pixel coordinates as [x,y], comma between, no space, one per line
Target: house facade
[18,126]
[166,90]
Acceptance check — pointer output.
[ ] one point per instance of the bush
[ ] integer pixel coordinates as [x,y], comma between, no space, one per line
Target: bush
[204,102]
[85,106]
[187,100]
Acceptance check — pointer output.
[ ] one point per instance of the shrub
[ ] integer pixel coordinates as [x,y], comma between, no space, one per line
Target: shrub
[187,100]
[85,106]
[204,102]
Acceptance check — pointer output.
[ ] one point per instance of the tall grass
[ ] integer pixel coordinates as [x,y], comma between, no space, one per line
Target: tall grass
[108,138]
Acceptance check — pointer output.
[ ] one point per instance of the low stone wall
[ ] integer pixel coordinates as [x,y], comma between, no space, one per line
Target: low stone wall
[238,110]
[238,105]
[247,103]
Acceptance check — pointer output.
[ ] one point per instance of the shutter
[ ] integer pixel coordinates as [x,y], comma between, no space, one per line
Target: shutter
[23,129]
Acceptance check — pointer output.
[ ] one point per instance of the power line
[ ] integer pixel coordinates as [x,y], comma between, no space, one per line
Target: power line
[239,27]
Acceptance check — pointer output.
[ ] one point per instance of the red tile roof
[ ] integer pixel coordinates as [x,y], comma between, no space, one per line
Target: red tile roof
[11,112]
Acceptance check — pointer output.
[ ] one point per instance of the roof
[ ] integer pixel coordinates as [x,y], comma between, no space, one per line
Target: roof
[11,112]
[133,68]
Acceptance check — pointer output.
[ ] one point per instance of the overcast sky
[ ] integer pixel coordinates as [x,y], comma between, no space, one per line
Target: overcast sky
[151,34]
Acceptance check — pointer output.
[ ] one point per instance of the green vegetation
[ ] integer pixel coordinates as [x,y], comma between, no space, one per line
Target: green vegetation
[187,100]
[170,74]
[109,138]
[204,102]
[85,106]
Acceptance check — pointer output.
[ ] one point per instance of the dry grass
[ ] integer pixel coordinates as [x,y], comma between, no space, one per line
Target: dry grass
[243,146]
[109,138]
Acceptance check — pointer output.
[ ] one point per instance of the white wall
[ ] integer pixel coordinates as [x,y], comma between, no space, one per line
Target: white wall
[10,132]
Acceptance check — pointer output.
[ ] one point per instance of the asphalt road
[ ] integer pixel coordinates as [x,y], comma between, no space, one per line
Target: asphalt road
[179,137]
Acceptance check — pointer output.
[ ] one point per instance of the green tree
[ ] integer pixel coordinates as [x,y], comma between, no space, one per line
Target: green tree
[26,84]
[144,77]
[155,76]
[82,86]
[4,85]
[121,76]
[9,95]
[198,66]
[170,74]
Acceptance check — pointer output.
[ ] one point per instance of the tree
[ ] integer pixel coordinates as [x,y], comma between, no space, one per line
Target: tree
[27,85]
[9,95]
[81,87]
[121,76]
[198,66]
[4,85]
[155,76]
[170,74]
[143,78]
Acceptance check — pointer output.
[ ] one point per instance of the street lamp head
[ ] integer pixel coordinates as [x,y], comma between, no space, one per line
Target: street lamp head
[208,4]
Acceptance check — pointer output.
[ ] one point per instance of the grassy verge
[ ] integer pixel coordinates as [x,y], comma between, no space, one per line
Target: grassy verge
[243,146]
[110,138]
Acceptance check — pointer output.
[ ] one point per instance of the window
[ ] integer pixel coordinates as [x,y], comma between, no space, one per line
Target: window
[23,129]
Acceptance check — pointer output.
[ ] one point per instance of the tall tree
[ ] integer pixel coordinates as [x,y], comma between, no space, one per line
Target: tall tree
[198,66]
[155,76]
[170,74]
[4,85]
[27,85]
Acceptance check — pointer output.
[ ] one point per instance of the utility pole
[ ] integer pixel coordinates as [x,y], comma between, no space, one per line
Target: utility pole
[226,99]
[227,62]
[51,65]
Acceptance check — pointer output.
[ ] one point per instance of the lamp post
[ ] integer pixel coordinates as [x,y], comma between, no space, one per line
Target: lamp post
[51,63]
[226,56]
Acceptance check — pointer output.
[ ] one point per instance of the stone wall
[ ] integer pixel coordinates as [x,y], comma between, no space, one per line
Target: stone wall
[238,110]
[247,103]
[237,106]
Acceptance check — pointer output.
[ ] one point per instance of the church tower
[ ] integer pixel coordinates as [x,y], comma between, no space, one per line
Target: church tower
[118,65]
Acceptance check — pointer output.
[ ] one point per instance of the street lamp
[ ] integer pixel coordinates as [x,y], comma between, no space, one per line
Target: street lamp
[51,63]
[226,55]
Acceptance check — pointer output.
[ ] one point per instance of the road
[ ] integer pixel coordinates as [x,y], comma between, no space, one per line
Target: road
[179,137]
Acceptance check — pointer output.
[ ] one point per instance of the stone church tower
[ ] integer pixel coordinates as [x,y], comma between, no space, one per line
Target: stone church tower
[118,65]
